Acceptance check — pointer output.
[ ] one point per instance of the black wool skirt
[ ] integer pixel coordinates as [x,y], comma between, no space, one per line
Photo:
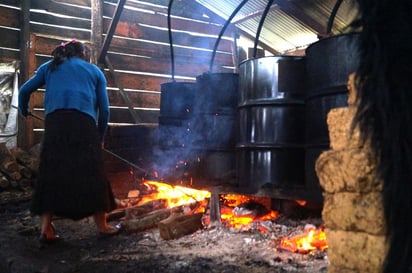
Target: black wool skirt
[71,179]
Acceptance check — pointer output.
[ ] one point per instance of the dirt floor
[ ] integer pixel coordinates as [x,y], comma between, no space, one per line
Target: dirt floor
[212,249]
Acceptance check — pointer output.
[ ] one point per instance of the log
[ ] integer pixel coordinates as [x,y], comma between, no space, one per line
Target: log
[179,225]
[4,182]
[136,211]
[146,221]
[35,150]
[7,161]
[26,159]
[25,183]
[12,175]
[115,215]
[25,172]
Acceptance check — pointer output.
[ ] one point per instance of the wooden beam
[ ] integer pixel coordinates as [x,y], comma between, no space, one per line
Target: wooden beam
[61,7]
[261,44]
[112,28]
[24,136]
[294,9]
[96,36]
[214,207]
[24,39]
[119,85]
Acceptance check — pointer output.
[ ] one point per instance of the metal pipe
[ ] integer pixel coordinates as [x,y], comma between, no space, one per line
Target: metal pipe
[223,31]
[169,27]
[262,20]
[125,161]
[332,16]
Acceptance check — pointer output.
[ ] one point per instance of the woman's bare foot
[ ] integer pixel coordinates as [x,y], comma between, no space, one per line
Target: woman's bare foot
[47,230]
[108,231]
[103,229]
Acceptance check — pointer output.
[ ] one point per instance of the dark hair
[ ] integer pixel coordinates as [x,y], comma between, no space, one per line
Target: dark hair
[67,50]
[384,114]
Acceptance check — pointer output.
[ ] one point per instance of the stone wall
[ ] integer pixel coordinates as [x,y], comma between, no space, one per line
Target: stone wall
[353,209]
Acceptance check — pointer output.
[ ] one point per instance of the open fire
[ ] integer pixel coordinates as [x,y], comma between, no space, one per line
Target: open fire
[174,195]
[313,239]
[237,212]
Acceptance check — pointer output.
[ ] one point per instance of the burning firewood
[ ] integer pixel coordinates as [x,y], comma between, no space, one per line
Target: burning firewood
[251,208]
[179,225]
[149,215]
[146,221]
[312,239]
[137,210]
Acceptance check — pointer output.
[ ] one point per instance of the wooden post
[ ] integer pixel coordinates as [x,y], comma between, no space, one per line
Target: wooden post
[32,68]
[23,132]
[119,85]
[96,37]
[24,39]
[214,207]
[235,53]
[110,32]
[100,55]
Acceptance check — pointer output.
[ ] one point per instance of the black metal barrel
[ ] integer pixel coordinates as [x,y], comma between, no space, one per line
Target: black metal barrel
[176,106]
[270,142]
[328,64]
[175,136]
[214,127]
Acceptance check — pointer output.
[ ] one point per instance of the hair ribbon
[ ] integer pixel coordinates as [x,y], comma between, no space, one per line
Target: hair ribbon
[64,44]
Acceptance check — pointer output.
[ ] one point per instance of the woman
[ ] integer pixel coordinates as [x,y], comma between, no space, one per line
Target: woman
[71,181]
[384,115]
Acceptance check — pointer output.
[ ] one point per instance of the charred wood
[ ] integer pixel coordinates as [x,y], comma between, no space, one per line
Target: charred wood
[136,211]
[26,159]
[7,161]
[146,221]
[179,225]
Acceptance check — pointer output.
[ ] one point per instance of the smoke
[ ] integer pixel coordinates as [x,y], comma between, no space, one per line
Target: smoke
[196,121]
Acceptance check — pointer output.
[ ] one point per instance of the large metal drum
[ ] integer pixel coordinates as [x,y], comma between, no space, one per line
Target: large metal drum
[270,144]
[175,137]
[214,128]
[328,64]
[176,106]
[273,77]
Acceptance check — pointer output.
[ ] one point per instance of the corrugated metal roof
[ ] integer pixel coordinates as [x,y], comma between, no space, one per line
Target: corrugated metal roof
[289,25]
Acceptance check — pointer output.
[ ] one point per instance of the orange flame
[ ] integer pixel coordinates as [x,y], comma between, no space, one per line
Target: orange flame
[174,195]
[241,221]
[238,222]
[311,240]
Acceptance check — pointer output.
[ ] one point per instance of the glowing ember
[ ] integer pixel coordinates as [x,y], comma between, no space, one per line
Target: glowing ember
[175,195]
[313,239]
[238,222]
[240,210]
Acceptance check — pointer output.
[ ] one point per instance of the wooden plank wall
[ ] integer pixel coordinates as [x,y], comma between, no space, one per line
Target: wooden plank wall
[139,51]
[9,30]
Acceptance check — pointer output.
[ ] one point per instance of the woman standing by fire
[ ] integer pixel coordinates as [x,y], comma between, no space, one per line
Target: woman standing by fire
[71,181]
[384,115]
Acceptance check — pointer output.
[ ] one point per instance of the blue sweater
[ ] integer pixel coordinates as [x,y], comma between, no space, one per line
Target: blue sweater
[74,84]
